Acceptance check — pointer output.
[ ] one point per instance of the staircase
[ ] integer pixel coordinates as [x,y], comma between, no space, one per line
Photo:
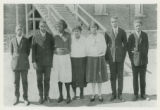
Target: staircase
[66,14]
[45,13]
[54,12]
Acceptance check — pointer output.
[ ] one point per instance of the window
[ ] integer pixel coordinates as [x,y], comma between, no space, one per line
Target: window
[139,10]
[100,9]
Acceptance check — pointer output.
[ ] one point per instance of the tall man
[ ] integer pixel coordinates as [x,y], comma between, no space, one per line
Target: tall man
[20,50]
[138,54]
[116,42]
[42,55]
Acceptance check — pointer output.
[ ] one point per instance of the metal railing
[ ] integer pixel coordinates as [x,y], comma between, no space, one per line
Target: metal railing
[74,10]
[91,17]
[59,16]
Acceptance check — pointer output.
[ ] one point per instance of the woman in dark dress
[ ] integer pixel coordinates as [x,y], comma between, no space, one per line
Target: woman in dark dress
[96,69]
[78,60]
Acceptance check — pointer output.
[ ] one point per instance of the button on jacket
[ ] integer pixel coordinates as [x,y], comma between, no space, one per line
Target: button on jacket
[42,49]
[20,53]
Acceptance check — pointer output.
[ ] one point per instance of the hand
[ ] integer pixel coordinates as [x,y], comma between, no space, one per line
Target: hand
[133,51]
[100,53]
[35,65]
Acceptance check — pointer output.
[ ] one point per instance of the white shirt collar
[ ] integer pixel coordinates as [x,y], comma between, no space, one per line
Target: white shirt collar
[18,39]
[138,33]
[115,29]
[43,34]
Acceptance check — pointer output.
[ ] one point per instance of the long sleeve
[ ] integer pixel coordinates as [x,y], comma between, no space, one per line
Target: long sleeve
[28,47]
[53,43]
[33,50]
[69,41]
[107,39]
[102,45]
[146,47]
[130,47]
[11,48]
[124,43]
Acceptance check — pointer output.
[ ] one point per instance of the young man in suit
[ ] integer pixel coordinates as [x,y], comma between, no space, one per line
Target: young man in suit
[116,42]
[42,55]
[138,53]
[20,50]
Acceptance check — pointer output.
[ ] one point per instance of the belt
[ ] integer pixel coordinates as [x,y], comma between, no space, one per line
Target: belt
[61,51]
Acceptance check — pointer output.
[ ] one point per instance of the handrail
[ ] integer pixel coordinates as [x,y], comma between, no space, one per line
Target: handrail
[102,27]
[61,17]
[85,22]
[78,15]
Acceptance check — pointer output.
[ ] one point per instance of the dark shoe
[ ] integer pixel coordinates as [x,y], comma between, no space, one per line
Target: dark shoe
[47,99]
[81,96]
[16,102]
[135,98]
[26,102]
[113,97]
[144,97]
[92,98]
[60,99]
[100,98]
[68,100]
[121,98]
[74,98]
[41,101]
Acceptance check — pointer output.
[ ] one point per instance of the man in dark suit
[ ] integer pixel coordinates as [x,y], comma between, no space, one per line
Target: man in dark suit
[116,52]
[42,56]
[20,64]
[138,54]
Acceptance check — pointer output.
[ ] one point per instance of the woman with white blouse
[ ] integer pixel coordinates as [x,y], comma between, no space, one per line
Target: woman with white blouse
[78,60]
[96,69]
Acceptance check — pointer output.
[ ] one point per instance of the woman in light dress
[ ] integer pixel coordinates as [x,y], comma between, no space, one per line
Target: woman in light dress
[61,59]
[96,69]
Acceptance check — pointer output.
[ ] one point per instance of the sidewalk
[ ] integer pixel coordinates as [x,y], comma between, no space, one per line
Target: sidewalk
[106,89]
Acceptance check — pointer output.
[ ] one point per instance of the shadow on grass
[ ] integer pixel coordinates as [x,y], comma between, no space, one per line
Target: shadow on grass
[86,101]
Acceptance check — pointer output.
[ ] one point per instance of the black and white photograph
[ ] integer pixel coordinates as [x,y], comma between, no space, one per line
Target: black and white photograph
[80,55]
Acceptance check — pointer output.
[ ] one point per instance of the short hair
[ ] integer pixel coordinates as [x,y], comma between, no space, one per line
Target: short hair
[42,22]
[77,28]
[19,26]
[138,21]
[114,17]
[94,24]
[63,23]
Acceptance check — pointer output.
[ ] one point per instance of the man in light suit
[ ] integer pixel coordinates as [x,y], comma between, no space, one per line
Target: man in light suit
[42,56]
[20,50]
[116,41]
[138,44]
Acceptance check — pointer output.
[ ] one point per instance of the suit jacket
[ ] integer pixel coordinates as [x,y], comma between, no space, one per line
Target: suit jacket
[20,54]
[42,49]
[116,46]
[143,47]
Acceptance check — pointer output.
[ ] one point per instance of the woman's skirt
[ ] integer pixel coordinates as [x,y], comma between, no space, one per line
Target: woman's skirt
[62,67]
[78,72]
[96,70]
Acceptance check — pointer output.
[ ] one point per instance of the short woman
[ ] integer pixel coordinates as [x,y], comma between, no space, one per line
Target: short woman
[96,72]
[61,59]
[78,60]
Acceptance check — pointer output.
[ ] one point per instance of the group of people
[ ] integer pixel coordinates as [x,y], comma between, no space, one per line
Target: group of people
[78,60]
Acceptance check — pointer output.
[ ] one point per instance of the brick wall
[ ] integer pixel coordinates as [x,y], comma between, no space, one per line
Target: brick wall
[126,15]
[10,17]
